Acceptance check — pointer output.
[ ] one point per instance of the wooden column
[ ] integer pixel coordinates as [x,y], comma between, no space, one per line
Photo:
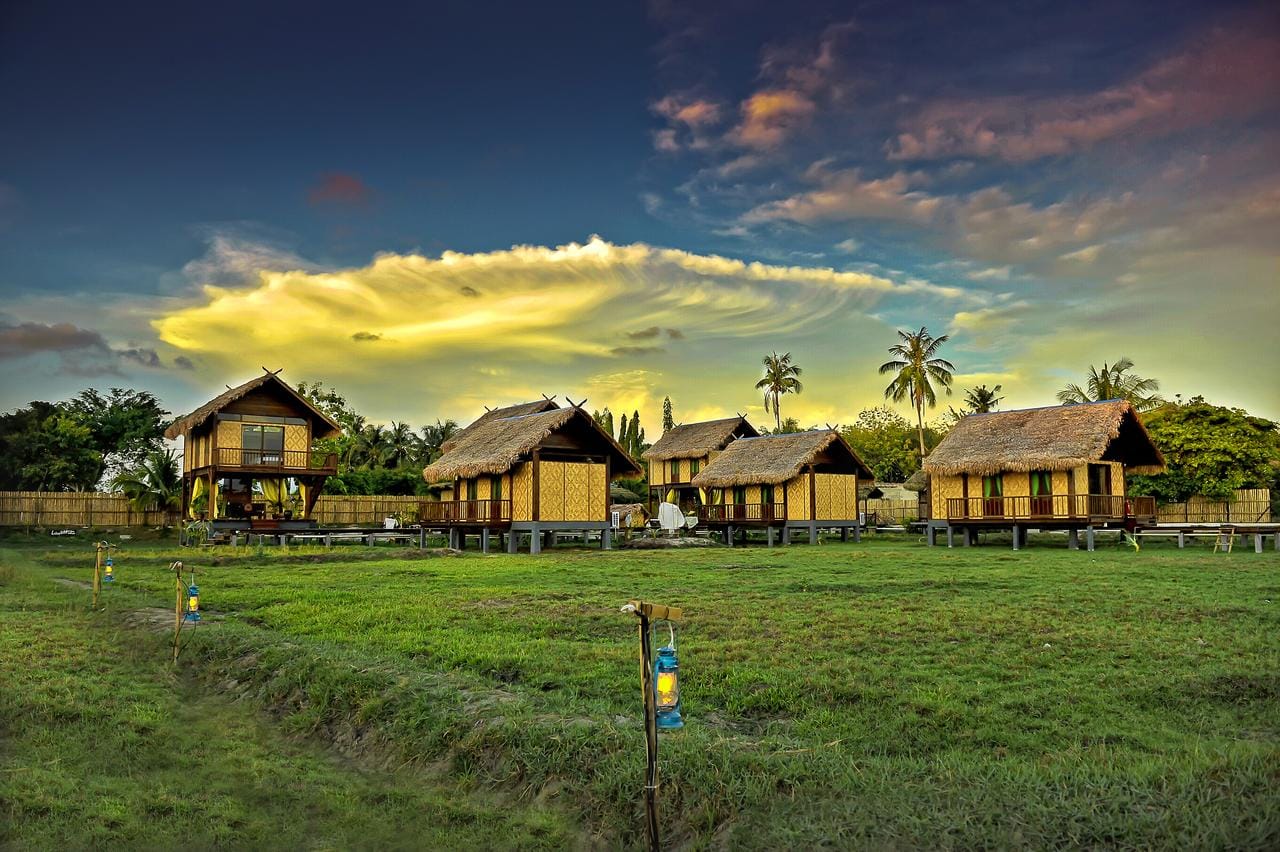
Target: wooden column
[535,500]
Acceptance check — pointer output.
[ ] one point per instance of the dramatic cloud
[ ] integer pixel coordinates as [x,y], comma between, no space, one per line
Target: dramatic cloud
[546,316]
[339,189]
[1226,74]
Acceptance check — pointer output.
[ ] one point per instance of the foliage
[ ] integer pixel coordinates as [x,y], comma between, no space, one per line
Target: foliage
[668,417]
[980,400]
[1114,381]
[781,376]
[370,446]
[16,429]
[156,483]
[972,699]
[631,435]
[432,439]
[125,426]
[401,481]
[788,426]
[1209,450]
[887,443]
[59,454]
[916,368]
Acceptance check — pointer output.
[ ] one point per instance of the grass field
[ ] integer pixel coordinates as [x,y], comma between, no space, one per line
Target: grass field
[872,695]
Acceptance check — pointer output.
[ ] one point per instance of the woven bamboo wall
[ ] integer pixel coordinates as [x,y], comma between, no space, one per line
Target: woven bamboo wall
[358,510]
[897,510]
[1250,506]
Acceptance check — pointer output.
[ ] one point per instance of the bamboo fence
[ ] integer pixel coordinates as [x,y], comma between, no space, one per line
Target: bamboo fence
[1251,506]
[92,509]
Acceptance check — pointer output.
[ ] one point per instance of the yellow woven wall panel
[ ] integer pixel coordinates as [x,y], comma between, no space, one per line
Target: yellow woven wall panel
[798,498]
[522,492]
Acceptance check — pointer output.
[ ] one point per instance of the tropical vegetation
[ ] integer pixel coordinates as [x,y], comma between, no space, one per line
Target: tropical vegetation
[916,368]
[1114,381]
[781,376]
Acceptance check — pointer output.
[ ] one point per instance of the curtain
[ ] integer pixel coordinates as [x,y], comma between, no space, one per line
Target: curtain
[671,496]
[213,498]
[271,492]
[302,496]
[197,490]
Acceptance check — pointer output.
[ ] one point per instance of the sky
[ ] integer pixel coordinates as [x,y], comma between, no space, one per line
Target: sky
[438,207]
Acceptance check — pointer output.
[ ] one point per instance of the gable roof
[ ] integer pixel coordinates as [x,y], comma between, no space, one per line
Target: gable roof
[517,410]
[1057,437]
[328,426]
[771,459]
[494,446]
[690,440]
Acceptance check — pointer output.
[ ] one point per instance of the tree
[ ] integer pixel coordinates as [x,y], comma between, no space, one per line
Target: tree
[153,484]
[887,442]
[371,447]
[917,367]
[789,425]
[1209,450]
[125,426]
[979,400]
[15,429]
[781,376]
[59,455]
[668,420]
[432,439]
[1114,381]
[623,432]
[400,445]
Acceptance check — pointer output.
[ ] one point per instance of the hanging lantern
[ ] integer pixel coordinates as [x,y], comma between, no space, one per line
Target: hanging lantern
[193,603]
[109,571]
[666,685]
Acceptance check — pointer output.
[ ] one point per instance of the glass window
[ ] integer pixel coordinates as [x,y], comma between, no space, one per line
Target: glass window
[261,443]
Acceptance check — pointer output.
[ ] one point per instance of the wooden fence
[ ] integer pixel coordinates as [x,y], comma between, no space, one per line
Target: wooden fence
[75,509]
[90,509]
[892,511]
[1250,506]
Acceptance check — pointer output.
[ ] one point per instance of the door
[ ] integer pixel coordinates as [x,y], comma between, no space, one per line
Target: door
[766,500]
[495,498]
[993,496]
[739,502]
[1041,493]
[473,493]
[1100,490]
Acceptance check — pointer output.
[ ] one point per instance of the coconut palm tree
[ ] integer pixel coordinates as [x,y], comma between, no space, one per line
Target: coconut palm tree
[401,444]
[917,368]
[979,400]
[371,446]
[433,437]
[154,484]
[1114,381]
[781,376]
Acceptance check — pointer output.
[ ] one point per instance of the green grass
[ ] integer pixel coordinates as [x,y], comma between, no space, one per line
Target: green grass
[101,746]
[874,695]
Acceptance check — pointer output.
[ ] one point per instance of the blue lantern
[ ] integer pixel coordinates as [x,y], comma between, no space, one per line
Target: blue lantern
[666,686]
[109,572]
[193,603]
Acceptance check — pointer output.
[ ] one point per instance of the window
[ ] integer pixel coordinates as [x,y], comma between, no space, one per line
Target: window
[766,494]
[693,468]
[993,495]
[739,495]
[473,489]
[495,488]
[262,444]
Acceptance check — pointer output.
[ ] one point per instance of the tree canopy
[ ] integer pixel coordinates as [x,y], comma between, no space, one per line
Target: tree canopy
[1210,450]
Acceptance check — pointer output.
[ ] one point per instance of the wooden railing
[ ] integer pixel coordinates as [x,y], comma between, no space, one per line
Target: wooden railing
[1054,506]
[466,512]
[732,513]
[278,459]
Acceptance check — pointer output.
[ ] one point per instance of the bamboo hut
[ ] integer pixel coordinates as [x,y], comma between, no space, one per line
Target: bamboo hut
[682,452]
[801,480]
[248,456]
[1059,467]
[540,473]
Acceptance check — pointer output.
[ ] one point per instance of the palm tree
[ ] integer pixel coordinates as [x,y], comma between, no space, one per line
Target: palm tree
[980,400]
[371,446]
[917,369]
[434,437]
[154,484]
[781,376]
[1114,381]
[352,439]
[401,444]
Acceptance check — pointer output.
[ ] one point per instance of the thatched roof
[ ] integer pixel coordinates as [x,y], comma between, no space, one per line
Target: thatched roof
[772,459]
[496,445]
[1056,437]
[692,440]
[917,482]
[323,426]
[517,410]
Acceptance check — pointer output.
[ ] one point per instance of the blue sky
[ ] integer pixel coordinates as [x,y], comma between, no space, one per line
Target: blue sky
[402,200]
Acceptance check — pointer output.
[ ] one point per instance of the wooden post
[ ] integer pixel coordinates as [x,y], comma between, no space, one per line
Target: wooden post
[645,611]
[176,567]
[536,501]
[97,572]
